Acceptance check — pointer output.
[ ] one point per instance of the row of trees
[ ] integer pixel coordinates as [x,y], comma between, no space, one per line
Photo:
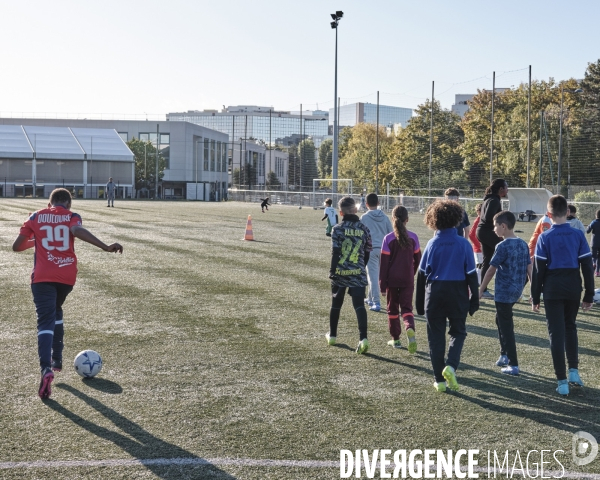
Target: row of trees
[461,147]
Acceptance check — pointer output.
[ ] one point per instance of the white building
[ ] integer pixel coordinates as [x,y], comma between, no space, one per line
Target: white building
[194,155]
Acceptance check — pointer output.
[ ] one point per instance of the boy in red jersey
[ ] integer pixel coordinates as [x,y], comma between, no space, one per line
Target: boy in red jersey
[52,232]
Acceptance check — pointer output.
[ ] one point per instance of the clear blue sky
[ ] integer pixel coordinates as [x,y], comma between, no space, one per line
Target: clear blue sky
[136,57]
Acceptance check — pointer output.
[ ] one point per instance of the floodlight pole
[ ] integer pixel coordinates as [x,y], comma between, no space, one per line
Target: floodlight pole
[431,134]
[529,127]
[560,128]
[334,156]
[156,179]
[492,129]
[377,150]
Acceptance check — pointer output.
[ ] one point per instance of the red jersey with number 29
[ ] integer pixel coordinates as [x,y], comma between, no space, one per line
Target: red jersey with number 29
[54,259]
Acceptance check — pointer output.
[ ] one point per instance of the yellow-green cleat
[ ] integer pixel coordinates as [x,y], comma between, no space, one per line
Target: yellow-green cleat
[412,341]
[440,386]
[330,339]
[363,346]
[450,376]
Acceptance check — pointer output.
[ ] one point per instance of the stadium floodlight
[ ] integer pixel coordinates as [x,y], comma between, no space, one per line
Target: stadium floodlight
[560,122]
[334,155]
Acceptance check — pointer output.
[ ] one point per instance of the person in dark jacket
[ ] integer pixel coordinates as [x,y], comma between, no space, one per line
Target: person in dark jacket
[446,274]
[491,205]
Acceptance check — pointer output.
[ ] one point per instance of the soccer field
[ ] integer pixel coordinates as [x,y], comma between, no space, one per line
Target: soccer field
[216,365]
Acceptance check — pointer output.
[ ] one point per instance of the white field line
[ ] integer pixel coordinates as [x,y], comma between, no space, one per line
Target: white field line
[249,462]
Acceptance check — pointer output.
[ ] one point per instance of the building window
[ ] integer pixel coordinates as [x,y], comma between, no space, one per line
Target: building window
[123,136]
[212,155]
[218,156]
[206,154]
[165,139]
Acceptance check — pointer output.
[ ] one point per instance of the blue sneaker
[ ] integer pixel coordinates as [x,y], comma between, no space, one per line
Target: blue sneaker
[368,302]
[487,295]
[510,370]
[502,361]
[574,378]
[563,387]
[375,307]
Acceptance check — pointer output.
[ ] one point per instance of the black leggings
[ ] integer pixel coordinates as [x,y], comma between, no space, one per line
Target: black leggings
[358,302]
[488,240]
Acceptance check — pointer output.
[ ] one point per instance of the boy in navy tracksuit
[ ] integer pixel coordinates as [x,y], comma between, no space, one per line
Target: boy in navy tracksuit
[594,227]
[559,254]
[446,274]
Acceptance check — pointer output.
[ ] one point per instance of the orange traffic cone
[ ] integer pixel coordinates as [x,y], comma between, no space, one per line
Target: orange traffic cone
[249,235]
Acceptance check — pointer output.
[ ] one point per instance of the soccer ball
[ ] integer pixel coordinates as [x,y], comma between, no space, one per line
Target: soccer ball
[88,363]
[597,295]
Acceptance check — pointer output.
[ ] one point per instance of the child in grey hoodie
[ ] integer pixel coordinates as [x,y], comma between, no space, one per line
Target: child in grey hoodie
[379,225]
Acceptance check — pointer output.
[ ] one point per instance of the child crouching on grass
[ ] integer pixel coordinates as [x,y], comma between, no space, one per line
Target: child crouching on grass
[351,246]
[512,266]
[446,274]
[400,257]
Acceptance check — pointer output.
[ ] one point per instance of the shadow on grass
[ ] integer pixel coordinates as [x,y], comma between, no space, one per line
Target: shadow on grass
[533,397]
[523,338]
[102,385]
[163,459]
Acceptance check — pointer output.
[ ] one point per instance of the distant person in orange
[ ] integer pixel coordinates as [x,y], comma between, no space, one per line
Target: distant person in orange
[477,253]
[543,224]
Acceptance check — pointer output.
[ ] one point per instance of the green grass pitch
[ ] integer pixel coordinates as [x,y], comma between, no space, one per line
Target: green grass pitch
[214,348]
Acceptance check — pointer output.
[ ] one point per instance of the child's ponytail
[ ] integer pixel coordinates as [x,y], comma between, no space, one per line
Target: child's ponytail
[399,216]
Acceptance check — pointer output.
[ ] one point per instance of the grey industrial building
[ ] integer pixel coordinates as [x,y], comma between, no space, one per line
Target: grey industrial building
[196,157]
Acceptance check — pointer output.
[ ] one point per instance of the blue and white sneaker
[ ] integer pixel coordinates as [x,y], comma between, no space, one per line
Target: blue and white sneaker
[574,378]
[563,387]
[375,307]
[510,370]
[502,361]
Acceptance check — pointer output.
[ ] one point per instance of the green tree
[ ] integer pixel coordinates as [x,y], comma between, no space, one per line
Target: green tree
[307,154]
[358,154]
[145,162]
[325,158]
[587,213]
[583,135]
[294,166]
[272,180]
[407,165]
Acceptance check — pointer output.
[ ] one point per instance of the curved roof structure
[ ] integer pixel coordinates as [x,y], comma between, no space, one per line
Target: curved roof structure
[535,199]
[62,143]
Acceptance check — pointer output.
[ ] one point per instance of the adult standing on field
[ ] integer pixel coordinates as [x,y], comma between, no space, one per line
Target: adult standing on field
[110,192]
[492,204]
